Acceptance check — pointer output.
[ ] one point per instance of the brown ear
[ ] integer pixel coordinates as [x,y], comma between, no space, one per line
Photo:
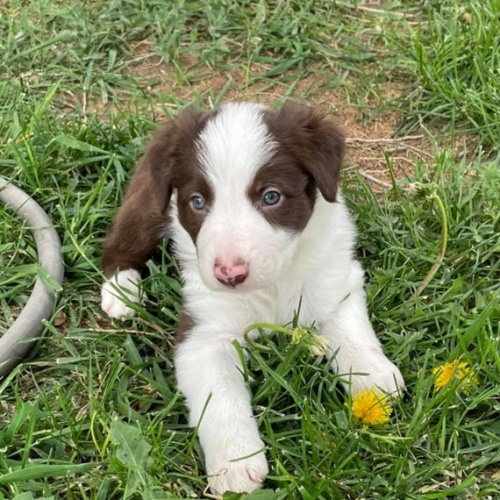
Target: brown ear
[318,143]
[141,220]
[170,149]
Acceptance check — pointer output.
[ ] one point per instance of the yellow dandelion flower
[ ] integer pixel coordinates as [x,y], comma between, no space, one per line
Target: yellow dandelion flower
[453,370]
[371,407]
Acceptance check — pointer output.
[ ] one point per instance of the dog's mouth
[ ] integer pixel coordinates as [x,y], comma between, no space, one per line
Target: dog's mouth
[232,282]
[235,284]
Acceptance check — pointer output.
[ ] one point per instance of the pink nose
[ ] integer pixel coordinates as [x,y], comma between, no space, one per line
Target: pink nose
[231,274]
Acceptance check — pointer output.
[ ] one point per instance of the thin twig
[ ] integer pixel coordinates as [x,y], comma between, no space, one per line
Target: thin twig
[384,139]
[373,10]
[419,152]
[375,180]
[84,106]
[130,62]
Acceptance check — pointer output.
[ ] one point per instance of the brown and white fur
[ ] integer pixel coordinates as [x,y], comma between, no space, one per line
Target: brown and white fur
[250,197]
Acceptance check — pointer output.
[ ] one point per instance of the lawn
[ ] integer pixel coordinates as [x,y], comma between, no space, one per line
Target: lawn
[93,412]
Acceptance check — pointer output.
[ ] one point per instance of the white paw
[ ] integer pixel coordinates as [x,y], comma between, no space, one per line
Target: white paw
[122,285]
[228,473]
[373,370]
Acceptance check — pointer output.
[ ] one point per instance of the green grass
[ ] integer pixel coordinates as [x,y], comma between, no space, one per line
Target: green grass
[456,58]
[93,413]
[17,266]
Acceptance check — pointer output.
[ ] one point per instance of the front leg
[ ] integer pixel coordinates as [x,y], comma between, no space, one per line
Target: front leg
[356,352]
[123,285]
[209,375]
[136,230]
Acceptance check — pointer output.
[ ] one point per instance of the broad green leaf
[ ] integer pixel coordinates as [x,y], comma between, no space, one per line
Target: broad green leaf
[155,493]
[132,449]
[256,495]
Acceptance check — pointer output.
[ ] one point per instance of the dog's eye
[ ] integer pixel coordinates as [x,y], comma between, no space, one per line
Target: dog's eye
[271,197]
[197,202]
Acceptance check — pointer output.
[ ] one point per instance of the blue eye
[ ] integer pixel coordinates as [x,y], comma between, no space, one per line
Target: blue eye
[271,197]
[197,202]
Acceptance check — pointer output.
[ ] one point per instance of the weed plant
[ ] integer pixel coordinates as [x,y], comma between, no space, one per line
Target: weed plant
[93,412]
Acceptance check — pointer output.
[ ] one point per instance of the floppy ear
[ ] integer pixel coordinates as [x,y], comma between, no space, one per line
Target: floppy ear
[141,220]
[167,152]
[318,143]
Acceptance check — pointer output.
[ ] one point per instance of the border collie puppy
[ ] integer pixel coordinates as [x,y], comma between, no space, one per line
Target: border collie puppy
[250,197]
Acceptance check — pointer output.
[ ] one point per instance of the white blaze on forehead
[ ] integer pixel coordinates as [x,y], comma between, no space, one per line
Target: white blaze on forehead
[234,145]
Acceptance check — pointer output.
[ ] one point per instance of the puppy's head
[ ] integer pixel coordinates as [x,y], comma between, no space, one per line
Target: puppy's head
[246,180]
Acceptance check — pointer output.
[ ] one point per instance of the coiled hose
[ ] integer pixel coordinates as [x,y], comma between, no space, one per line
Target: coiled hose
[18,339]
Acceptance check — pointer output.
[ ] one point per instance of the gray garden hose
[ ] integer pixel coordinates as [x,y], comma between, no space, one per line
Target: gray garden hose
[17,340]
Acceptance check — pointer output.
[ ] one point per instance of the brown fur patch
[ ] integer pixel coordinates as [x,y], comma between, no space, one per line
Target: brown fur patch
[298,192]
[309,155]
[140,223]
[192,181]
[186,323]
[316,143]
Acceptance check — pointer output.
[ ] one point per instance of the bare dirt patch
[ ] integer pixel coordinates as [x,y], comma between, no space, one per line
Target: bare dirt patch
[373,144]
